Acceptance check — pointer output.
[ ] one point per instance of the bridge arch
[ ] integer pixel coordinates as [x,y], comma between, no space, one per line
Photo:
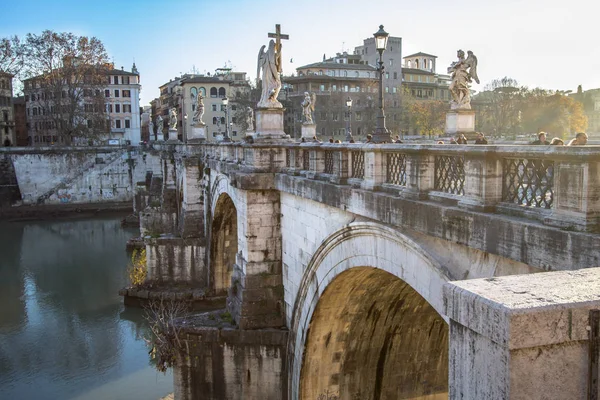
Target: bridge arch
[367,320]
[223,236]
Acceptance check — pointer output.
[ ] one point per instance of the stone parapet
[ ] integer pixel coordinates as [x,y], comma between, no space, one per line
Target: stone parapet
[521,337]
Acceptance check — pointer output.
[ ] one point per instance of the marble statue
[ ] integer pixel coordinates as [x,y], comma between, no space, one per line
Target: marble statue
[249,119]
[159,125]
[173,119]
[150,128]
[308,107]
[270,63]
[199,110]
[463,72]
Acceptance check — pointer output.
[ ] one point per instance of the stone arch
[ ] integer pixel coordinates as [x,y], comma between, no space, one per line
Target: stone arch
[368,306]
[223,244]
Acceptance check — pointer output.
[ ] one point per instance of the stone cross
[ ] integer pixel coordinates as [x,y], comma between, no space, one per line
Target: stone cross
[278,36]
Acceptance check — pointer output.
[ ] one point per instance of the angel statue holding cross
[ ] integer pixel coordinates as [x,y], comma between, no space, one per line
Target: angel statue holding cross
[270,63]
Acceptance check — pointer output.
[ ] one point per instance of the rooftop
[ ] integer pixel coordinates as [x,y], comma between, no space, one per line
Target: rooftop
[420,54]
[334,65]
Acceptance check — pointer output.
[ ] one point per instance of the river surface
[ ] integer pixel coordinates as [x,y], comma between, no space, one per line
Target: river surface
[64,333]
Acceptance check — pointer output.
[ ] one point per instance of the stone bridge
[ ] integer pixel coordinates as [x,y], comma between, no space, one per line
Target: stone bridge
[334,262]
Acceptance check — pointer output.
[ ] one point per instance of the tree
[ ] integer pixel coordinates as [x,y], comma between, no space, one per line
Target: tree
[428,116]
[498,106]
[11,55]
[65,75]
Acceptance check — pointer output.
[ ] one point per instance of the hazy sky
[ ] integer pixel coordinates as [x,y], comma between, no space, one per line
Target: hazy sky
[552,44]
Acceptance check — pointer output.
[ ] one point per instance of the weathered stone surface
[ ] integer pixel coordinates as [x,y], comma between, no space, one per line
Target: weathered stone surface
[521,337]
[225,363]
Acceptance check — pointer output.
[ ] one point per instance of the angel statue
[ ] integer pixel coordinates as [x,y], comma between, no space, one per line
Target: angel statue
[173,119]
[159,125]
[308,107]
[249,119]
[199,110]
[463,72]
[270,63]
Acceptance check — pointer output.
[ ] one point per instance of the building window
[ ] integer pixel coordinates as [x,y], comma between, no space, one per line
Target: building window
[391,61]
[322,88]
[335,116]
[358,116]
[203,91]
[394,89]
[126,93]
[323,115]
[126,108]
[215,120]
[395,75]
[116,80]
[222,92]
[222,120]
[234,133]
[345,88]
[116,92]
[126,80]
[214,107]
[387,75]
[127,123]
[387,89]
[213,92]
[223,108]
[117,108]
[346,73]
[118,124]
[334,88]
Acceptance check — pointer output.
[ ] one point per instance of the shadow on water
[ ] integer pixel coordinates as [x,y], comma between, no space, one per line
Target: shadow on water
[63,330]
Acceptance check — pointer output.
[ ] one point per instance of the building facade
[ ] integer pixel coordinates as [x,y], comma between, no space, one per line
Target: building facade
[110,108]
[20,121]
[420,78]
[182,93]
[7,119]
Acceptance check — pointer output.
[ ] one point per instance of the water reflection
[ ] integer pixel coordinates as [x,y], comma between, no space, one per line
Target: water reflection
[62,334]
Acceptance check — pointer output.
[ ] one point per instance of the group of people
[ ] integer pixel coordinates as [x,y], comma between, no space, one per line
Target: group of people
[580,139]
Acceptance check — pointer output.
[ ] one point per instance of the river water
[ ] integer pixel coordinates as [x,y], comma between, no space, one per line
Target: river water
[64,333]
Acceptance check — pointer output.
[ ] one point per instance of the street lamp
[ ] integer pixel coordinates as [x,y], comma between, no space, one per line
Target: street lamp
[348,130]
[381,133]
[225,102]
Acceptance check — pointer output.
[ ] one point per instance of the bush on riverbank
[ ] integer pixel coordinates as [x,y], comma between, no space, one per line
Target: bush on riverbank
[137,268]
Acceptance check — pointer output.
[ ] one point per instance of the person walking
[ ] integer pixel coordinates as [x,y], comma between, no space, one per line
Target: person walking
[541,139]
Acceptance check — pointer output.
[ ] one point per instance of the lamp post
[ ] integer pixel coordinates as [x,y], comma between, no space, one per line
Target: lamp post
[348,122]
[381,133]
[225,102]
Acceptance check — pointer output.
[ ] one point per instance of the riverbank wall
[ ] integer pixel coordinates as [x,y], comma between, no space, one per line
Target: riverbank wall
[34,179]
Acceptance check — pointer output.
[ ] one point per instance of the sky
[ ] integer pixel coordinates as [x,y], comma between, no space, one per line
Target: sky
[552,44]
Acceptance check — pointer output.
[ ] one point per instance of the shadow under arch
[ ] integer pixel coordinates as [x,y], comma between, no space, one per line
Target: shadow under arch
[223,244]
[367,321]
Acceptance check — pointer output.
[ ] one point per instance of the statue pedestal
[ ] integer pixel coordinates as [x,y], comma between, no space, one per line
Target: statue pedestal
[309,131]
[269,125]
[160,137]
[197,134]
[461,121]
[173,135]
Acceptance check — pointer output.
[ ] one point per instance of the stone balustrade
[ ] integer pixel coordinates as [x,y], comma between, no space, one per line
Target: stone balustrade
[559,186]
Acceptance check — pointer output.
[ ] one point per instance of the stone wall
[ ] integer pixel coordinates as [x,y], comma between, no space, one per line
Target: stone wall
[176,260]
[232,364]
[78,175]
[522,337]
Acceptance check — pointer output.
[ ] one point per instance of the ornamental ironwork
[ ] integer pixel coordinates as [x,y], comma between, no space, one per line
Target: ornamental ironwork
[528,182]
[450,174]
[358,164]
[288,157]
[328,161]
[396,169]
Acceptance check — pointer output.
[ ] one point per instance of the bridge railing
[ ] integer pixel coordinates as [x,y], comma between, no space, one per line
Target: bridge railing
[558,186]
